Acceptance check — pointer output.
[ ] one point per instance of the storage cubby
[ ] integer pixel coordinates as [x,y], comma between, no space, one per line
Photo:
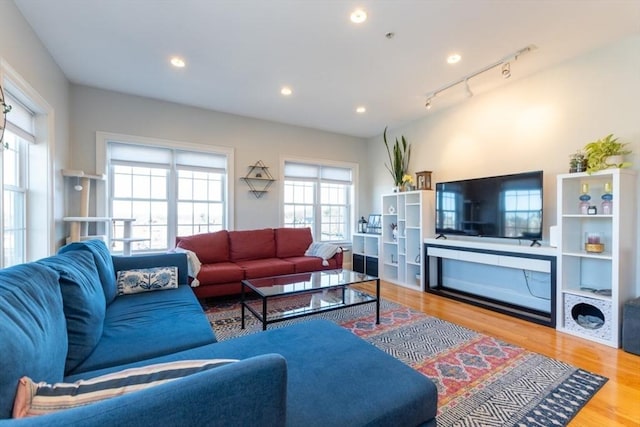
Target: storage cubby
[366,249]
[596,269]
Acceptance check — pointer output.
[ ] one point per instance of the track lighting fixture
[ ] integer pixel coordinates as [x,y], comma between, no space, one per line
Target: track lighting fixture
[506,70]
[504,63]
[428,104]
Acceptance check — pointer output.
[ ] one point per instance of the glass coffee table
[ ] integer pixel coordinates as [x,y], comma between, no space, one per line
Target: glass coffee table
[296,295]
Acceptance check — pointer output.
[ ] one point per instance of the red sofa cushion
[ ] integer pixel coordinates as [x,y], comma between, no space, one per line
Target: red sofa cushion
[266,267]
[221,272]
[292,242]
[251,244]
[305,264]
[209,247]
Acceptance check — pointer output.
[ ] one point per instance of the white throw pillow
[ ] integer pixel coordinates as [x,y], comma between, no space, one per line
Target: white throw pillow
[147,279]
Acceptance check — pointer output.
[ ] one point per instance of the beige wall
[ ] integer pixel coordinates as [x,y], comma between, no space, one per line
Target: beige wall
[528,124]
[23,52]
[252,140]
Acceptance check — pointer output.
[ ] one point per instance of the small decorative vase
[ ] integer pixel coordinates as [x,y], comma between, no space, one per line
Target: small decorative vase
[396,189]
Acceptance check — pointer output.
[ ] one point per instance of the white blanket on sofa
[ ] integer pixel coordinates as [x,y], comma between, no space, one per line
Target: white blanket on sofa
[193,265]
[323,250]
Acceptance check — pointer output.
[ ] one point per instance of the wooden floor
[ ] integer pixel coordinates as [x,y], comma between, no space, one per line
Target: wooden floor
[616,404]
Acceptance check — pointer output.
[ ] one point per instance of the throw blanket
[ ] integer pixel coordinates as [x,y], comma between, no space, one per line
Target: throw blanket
[323,250]
[193,264]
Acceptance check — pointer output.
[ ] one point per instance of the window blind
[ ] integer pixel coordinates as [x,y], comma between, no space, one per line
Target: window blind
[20,120]
[313,171]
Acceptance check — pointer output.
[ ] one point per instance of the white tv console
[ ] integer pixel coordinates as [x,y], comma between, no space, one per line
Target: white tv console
[509,278]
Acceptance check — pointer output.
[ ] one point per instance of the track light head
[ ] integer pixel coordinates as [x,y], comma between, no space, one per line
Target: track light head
[427,105]
[506,70]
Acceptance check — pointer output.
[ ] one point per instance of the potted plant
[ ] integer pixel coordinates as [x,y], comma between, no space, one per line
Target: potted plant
[578,162]
[606,153]
[399,157]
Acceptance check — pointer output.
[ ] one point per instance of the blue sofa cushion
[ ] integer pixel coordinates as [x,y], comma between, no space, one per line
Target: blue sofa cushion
[326,367]
[147,279]
[33,334]
[147,325]
[83,302]
[103,262]
[41,398]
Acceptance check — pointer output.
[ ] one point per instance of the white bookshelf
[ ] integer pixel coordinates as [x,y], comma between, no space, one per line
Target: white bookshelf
[595,285]
[401,259]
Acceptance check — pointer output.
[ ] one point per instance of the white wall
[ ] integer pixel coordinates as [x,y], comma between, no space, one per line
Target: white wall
[22,51]
[252,139]
[528,124]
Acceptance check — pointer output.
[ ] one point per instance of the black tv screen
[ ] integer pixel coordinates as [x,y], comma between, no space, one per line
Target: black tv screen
[507,206]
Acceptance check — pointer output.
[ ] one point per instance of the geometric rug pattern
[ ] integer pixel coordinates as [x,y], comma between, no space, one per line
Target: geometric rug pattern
[481,381]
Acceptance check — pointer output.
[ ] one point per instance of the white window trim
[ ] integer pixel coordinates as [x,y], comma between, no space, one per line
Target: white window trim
[355,182]
[40,207]
[103,138]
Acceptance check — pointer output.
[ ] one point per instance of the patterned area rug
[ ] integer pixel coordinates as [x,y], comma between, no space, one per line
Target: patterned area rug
[481,380]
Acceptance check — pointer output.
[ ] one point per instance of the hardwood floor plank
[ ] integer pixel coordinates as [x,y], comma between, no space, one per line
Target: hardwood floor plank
[616,404]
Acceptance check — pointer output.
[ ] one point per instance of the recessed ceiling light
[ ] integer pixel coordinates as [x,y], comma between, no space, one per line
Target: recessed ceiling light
[286,91]
[454,58]
[358,16]
[361,110]
[177,62]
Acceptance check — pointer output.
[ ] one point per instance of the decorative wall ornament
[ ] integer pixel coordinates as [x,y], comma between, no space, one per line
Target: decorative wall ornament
[4,110]
[258,179]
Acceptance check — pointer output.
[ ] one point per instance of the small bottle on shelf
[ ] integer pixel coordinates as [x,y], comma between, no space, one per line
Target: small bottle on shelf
[607,197]
[584,199]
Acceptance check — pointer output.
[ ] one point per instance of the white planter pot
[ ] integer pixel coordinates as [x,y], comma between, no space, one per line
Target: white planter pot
[614,161]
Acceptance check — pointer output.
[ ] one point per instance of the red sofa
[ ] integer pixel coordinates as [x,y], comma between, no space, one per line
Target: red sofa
[228,257]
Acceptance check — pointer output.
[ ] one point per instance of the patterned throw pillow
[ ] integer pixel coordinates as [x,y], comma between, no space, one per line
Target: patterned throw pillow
[147,279]
[41,398]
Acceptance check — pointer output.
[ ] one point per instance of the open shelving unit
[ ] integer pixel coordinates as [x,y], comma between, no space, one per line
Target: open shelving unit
[593,286]
[259,179]
[402,261]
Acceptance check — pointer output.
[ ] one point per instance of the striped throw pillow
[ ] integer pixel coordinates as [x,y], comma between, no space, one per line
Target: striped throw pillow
[41,398]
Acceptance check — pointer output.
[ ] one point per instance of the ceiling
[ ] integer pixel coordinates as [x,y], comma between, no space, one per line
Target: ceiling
[239,53]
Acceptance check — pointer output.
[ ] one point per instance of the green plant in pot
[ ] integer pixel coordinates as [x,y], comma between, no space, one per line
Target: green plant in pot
[399,155]
[606,153]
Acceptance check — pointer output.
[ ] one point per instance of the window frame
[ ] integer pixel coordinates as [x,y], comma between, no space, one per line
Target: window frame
[41,237]
[352,207]
[103,168]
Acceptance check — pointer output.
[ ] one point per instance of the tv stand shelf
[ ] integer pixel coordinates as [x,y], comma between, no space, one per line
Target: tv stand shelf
[511,279]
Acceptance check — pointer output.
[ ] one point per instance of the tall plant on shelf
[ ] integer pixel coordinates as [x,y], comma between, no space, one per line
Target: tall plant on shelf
[399,156]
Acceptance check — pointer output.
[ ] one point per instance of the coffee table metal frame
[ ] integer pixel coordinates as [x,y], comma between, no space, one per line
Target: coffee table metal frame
[300,283]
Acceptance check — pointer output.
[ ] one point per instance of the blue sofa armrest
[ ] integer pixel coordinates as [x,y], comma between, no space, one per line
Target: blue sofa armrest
[156,260]
[251,392]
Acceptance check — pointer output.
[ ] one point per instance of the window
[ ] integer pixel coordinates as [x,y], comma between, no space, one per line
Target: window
[17,136]
[320,197]
[168,191]
[447,208]
[522,214]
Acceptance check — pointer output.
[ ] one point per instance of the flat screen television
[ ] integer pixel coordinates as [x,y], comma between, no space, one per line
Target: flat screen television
[507,206]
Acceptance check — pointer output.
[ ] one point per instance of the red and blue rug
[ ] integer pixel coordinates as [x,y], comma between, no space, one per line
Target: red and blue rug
[482,381]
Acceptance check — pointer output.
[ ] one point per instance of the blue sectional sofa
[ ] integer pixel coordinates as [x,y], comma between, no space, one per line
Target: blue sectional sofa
[61,320]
